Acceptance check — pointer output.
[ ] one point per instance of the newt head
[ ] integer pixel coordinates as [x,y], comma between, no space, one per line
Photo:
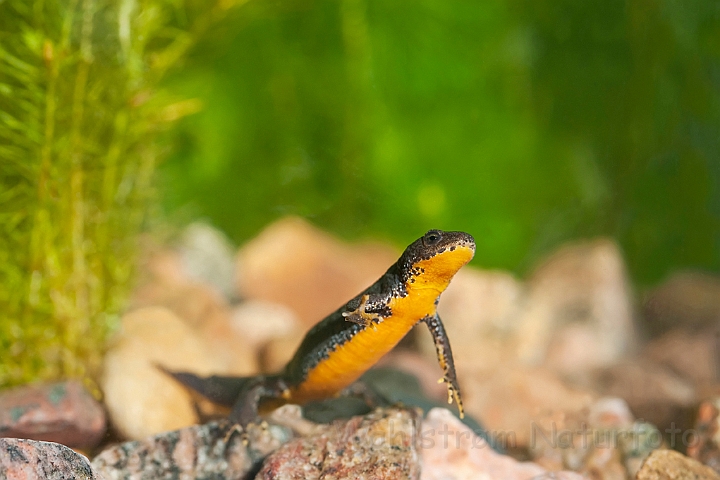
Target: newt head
[432,260]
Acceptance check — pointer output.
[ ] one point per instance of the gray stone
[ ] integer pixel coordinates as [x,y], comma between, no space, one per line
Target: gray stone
[197,452]
[208,257]
[22,459]
[451,451]
[688,300]
[380,445]
[62,412]
[671,465]
[578,315]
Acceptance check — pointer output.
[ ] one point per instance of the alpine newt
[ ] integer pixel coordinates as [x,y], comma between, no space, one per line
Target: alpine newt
[349,341]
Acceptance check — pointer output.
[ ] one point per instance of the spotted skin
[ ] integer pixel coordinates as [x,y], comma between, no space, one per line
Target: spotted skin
[344,345]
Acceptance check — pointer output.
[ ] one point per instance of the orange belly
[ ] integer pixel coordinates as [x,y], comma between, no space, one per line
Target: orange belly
[350,360]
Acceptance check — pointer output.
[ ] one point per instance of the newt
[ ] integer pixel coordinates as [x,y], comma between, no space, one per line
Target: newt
[349,341]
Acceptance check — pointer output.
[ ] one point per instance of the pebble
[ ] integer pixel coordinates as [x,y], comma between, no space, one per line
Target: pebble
[204,310]
[192,302]
[141,399]
[610,412]
[158,265]
[637,443]
[451,451]
[259,322]
[653,392]
[380,445]
[671,465]
[199,451]
[62,412]
[277,352]
[688,300]
[207,257]
[295,264]
[512,397]
[603,441]
[604,463]
[691,355]
[479,309]
[22,459]
[704,446]
[578,315]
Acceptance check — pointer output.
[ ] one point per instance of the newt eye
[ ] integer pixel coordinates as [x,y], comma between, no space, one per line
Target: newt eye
[432,237]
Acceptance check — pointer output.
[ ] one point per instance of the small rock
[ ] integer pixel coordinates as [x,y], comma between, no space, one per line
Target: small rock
[482,301]
[601,442]
[603,463]
[159,265]
[612,418]
[192,302]
[208,257]
[141,399]
[705,444]
[277,352]
[479,310]
[199,451]
[291,416]
[451,451]
[637,442]
[379,445]
[671,465]
[202,308]
[295,264]
[29,460]
[692,356]
[610,412]
[61,412]
[259,322]
[654,393]
[578,315]
[687,300]
[235,355]
[512,398]
[564,475]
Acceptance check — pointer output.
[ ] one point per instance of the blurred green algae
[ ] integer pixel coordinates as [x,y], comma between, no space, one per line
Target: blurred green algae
[527,123]
[80,112]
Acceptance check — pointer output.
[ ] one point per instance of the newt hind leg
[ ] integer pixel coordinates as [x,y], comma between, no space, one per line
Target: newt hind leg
[445,358]
[245,411]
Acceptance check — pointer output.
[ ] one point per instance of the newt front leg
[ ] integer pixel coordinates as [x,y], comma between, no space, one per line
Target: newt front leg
[363,314]
[445,358]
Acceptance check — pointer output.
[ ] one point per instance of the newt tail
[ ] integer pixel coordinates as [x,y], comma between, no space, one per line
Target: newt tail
[349,341]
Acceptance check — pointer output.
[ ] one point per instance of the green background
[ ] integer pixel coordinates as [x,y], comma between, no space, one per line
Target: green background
[525,123]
